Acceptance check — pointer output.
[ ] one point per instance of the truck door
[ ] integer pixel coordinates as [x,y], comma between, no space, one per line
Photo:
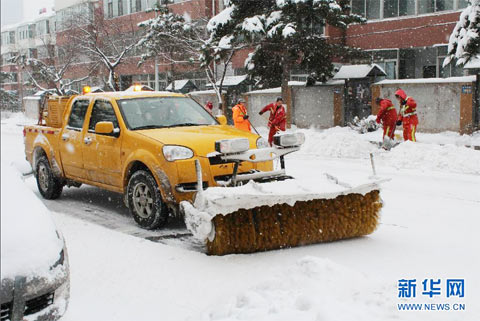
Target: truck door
[72,140]
[102,152]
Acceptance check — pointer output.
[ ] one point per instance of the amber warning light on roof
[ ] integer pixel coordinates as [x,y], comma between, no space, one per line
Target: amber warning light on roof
[137,88]
[86,90]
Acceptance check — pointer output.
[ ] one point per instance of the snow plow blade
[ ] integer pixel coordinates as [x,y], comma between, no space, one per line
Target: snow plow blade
[272,210]
[283,226]
[270,220]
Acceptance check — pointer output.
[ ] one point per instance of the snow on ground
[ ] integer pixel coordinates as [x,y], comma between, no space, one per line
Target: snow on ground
[426,154]
[429,229]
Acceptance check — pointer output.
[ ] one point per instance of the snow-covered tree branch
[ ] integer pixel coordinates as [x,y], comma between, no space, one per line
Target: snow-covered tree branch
[8,98]
[174,39]
[95,37]
[49,72]
[284,33]
[464,43]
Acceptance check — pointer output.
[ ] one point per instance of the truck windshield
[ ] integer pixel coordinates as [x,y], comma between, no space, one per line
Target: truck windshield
[163,112]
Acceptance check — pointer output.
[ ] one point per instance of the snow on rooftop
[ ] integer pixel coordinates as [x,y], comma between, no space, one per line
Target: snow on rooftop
[427,80]
[230,81]
[474,63]
[359,71]
[205,92]
[179,84]
[278,90]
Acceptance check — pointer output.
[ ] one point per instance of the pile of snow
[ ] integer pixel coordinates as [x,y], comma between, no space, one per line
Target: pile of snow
[12,128]
[450,158]
[30,243]
[443,138]
[343,142]
[338,142]
[220,200]
[294,294]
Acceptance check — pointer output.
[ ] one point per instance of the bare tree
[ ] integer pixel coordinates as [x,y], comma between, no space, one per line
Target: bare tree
[218,51]
[49,72]
[99,38]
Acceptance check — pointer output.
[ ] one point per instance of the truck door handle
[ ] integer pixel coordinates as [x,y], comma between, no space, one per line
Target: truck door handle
[87,140]
[65,137]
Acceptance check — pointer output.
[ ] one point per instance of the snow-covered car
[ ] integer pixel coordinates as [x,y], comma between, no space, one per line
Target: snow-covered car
[35,277]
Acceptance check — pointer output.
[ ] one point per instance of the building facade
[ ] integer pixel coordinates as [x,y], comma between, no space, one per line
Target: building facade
[408,38]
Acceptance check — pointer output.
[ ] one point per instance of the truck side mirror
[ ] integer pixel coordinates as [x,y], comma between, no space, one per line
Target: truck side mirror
[105,128]
[222,119]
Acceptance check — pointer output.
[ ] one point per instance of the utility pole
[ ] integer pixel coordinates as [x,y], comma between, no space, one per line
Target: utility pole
[156,63]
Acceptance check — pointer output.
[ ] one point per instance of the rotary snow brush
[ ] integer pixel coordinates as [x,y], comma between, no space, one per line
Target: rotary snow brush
[280,213]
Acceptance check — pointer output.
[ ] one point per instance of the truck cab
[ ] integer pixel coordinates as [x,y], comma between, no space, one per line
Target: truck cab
[141,144]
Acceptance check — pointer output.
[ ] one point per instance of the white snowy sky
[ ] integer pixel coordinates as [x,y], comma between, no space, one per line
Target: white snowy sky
[15,11]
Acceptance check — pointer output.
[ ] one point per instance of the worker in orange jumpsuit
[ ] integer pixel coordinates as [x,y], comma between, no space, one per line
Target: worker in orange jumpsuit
[387,115]
[277,120]
[407,115]
[240,116]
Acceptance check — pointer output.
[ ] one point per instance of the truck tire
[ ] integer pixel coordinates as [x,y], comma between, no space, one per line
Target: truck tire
[48,184]
[145,201]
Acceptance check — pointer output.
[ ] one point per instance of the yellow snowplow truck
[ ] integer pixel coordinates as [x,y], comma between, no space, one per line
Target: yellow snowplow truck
[168,156]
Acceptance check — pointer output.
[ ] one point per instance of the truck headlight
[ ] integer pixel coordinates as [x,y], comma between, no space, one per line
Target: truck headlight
[262,143]
[289,140]
[173,152]
[229,146]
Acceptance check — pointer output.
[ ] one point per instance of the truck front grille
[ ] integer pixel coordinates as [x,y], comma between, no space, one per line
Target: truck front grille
[6,311]
[217,160]
[38,304]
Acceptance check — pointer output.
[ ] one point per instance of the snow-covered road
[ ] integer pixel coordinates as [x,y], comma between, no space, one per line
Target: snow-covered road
[429,230]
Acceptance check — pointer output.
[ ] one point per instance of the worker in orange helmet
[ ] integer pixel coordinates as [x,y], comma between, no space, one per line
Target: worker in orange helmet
[240,116]
[387,115]
[278,118]
[407,115]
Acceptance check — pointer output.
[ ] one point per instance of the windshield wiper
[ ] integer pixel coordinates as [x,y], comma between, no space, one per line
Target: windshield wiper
[149,127]
[186,124]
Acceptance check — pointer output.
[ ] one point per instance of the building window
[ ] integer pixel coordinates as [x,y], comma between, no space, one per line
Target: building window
[12,37]
[31,31]
[451,70]
[406,7]
[373,9]
[442,5]
[390,8]
[426,6]
[120,7]
[110,9]
[47,26]
[387,60]
[462,4]
[136,5]
[383,9]
[32,53]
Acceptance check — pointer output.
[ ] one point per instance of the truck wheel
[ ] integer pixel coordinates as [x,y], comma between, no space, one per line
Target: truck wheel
[145,201]
[49,186]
